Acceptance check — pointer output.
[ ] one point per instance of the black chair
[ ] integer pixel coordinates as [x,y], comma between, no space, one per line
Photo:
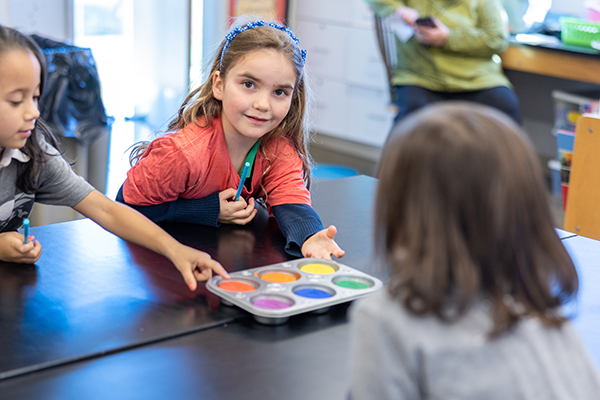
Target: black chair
[387,46]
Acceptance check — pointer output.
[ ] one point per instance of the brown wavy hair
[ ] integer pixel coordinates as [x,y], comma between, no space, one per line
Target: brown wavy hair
[201,104]
[27,174]
[462,213]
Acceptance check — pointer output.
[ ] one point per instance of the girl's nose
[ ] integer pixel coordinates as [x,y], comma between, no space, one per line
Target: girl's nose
[32,111]
[261,102]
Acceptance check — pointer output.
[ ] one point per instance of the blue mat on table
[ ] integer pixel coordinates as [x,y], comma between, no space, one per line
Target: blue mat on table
[327,172]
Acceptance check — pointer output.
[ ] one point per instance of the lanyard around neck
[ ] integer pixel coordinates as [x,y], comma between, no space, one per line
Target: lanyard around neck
[250,159]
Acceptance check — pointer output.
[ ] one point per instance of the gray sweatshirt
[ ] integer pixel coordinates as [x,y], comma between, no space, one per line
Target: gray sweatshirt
[398,355]
[59,186]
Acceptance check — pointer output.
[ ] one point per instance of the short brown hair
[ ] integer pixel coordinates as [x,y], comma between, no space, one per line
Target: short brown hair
[462,213]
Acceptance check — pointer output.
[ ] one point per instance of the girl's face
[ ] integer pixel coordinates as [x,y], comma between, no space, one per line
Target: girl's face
[256,94]
[20,74]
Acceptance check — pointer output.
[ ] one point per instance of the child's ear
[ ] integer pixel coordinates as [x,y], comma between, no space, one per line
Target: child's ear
[217,86]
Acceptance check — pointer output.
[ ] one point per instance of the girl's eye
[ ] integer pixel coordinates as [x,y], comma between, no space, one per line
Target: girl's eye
[248,85]
[16,103]
[280,92]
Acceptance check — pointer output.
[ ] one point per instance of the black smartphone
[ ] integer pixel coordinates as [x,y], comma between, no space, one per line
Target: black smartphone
[425,21]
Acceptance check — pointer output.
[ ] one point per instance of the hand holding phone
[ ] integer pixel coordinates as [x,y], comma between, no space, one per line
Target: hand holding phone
[431,32]
[425,21]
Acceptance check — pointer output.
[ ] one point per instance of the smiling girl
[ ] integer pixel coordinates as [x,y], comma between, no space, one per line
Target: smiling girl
[252,108]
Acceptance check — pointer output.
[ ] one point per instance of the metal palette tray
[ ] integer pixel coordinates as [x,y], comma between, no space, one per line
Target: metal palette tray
[275,292]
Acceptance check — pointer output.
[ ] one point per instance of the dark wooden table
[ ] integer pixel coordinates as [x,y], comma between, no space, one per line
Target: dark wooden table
[98,318]
[92,294]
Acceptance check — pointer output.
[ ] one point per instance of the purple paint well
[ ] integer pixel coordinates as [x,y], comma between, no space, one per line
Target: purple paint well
[271,304]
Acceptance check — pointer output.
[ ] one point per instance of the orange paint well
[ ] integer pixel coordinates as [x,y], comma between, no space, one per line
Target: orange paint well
[235,286]
[278,277]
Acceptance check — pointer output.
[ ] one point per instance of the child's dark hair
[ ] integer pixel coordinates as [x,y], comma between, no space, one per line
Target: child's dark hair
[202,103]
[11,39]
[462,213]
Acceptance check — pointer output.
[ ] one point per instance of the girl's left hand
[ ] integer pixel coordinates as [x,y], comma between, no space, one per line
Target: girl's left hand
[436,36]
[322,245]
[235,212]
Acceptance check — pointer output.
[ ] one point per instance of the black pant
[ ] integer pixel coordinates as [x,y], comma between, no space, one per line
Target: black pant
[412,98]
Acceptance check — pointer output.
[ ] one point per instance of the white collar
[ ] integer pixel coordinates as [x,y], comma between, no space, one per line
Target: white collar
[9,154]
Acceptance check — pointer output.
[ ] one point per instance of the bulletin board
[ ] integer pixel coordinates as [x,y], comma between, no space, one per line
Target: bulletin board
[267,9]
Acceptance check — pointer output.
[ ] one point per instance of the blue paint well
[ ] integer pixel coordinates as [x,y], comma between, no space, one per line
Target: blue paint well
[313,293]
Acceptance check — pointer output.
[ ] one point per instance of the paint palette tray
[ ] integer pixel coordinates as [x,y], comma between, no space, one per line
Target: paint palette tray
[275,292]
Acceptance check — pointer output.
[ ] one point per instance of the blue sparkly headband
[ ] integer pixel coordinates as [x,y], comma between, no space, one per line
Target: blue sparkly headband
[256,24]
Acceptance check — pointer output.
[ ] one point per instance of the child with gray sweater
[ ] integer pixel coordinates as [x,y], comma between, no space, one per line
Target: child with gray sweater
[472,309]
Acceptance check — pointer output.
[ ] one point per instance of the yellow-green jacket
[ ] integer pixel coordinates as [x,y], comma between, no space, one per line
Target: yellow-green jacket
[468,61]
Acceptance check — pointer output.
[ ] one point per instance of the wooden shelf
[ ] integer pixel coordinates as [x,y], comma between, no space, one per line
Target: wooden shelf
[554,63]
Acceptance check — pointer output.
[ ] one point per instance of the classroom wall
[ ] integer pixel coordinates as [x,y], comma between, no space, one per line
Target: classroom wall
[4,12]
[348,75]
[48,18]
[571,7]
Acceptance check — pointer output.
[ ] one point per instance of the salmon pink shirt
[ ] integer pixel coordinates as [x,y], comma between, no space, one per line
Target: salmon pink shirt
[194,162]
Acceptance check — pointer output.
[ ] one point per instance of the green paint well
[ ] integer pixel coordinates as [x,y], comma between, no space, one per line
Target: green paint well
[352,284]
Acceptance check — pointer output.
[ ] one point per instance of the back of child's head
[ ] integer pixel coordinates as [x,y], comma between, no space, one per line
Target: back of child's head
[13,40]
[462,214]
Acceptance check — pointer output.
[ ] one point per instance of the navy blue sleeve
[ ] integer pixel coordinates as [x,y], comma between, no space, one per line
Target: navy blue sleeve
[297,222]
[204,211]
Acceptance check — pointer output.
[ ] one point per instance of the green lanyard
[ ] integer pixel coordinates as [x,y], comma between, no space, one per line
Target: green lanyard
[250,159]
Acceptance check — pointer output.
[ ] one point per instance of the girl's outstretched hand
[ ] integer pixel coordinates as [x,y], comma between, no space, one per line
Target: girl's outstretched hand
[235,212]
[131,225]
[322,245]
[195,265]
[12,248]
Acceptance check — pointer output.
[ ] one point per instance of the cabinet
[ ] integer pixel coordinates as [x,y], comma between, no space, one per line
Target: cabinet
[536,72]
[348,74]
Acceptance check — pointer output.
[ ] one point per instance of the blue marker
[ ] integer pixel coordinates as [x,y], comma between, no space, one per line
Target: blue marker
[26,228]
[242,180]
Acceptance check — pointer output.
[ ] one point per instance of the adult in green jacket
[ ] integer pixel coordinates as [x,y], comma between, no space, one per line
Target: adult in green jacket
[455,59]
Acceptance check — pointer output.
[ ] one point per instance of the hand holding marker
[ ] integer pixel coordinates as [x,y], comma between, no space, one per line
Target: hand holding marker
[26,230]
[242,180]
